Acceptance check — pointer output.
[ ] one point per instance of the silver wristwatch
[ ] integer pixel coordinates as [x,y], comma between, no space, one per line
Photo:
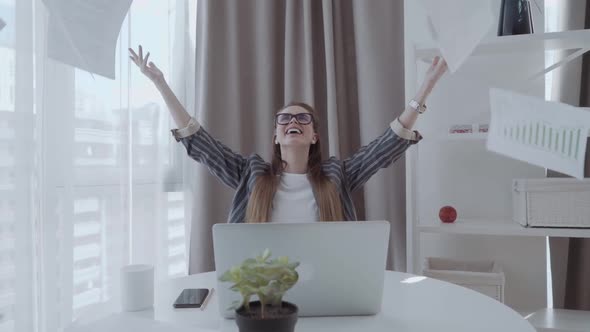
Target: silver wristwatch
[417,107]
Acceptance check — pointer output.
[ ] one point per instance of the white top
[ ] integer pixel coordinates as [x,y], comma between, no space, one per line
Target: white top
[294,200]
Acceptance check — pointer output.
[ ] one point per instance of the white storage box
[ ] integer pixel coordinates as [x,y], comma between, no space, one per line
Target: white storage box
[552,202]
[485,276]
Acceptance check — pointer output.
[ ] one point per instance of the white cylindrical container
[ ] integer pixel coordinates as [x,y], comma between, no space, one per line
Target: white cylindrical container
[137,287]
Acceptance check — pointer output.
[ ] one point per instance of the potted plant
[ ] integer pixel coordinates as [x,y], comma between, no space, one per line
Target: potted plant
[268,280]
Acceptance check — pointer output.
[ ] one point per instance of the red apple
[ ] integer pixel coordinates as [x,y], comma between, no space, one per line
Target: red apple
[447,214]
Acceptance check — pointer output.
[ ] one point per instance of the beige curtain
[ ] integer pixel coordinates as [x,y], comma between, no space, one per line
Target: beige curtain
[570,257]
[344,57]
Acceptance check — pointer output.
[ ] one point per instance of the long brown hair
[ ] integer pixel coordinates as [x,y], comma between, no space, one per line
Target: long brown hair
[327,197]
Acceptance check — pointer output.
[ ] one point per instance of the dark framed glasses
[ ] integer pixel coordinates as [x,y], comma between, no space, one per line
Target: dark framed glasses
[285,118]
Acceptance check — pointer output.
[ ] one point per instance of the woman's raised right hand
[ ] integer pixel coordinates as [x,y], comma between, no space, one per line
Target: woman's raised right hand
[149,69]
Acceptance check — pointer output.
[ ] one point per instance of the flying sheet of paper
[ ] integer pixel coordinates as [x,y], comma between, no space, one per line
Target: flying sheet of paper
[458,26]
[83,33]
[125,322]
[2,24]
[547,134]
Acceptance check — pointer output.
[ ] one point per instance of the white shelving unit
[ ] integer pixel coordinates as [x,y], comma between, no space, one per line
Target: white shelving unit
[500,228]
[538,42]
[483,204]
[463,136]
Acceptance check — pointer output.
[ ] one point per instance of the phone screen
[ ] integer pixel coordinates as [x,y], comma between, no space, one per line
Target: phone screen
[191,298]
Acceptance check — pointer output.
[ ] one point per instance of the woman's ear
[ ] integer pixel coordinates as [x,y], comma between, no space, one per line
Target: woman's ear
[314,139]
[274,138]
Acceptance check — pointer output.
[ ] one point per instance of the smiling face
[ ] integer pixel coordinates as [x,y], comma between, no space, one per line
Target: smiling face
[296,131]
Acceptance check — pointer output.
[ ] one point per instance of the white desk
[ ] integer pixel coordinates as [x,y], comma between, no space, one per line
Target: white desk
[424,305]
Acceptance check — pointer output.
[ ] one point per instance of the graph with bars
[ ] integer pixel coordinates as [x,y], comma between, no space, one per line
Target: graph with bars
[562,141]
[547,134]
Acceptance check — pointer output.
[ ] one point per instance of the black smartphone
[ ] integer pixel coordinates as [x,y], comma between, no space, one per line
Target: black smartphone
[191,298]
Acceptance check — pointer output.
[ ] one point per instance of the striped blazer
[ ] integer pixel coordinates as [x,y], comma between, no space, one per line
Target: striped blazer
[240,172]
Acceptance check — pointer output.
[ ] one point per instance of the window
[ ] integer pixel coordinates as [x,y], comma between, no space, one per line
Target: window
[9,196]
[82,164]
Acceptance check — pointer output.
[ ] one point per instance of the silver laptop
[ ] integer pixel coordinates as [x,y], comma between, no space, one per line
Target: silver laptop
[342,264]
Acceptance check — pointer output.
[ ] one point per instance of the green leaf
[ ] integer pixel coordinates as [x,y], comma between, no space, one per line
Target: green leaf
[249,261]
[235,271]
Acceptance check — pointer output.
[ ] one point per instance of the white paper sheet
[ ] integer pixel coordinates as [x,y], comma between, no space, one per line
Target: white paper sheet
[83,33]
[459,25]
[126,322]
[547,134]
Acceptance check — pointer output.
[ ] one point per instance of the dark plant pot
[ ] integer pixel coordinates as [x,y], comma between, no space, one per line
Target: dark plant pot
[283,321]
[515,18]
